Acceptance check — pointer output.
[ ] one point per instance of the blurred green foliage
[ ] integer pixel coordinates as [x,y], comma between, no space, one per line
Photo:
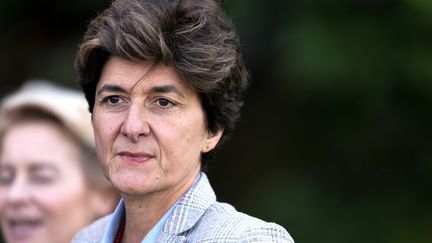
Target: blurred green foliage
[334,141]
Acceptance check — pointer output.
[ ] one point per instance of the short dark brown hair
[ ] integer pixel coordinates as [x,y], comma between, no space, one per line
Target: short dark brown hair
[193,36]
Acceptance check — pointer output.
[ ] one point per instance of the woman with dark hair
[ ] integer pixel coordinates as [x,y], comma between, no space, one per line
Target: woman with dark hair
[165,82]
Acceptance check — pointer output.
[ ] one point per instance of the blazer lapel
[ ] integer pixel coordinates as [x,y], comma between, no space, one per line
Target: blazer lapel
[190,208]
[168,237]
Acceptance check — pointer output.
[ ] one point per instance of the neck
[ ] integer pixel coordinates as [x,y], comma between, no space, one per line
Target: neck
[144,211]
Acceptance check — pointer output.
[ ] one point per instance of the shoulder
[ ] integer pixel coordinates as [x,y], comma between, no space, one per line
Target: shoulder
[222,223]
[93,232]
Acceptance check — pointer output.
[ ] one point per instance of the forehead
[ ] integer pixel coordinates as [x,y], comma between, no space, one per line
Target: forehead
[131,75]
[40,142]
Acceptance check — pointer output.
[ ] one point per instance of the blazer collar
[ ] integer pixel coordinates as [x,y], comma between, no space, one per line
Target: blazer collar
[190,208]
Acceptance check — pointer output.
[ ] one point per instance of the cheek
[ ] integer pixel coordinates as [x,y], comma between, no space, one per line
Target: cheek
[101,131]
[2,200]
[58,199]
[183,139]
[106,128]
[102,138]
[194,131]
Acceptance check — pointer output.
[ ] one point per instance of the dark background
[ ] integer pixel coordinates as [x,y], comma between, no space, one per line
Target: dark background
[334,141]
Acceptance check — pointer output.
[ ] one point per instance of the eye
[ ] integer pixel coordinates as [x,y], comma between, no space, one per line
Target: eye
[112,100]
[6,176]
[43,179]
[44,176]
[164,102]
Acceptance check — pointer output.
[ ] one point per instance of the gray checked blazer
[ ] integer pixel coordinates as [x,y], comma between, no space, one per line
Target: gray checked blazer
[198,217]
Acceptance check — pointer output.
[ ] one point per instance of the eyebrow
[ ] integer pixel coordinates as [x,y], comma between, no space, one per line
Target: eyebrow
[41,165]
[154,89]
[111,88]
[166,89]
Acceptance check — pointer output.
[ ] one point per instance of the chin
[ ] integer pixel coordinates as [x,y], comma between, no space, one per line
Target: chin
[131,185]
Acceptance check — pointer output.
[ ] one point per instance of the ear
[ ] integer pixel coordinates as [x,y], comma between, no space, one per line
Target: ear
[212,140]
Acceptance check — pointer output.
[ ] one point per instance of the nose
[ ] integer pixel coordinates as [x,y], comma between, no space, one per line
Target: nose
[135,124]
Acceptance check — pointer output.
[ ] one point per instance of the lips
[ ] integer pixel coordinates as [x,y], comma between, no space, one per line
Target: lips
[135,158]
[22,228]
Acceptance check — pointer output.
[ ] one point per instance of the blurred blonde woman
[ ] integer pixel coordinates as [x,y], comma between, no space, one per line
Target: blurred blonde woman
[50,181]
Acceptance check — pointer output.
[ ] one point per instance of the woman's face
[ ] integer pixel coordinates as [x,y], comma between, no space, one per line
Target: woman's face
[43,196]
[149,128]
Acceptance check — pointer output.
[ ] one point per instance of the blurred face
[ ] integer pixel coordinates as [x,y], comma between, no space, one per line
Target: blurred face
[43,197]
[149,128]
